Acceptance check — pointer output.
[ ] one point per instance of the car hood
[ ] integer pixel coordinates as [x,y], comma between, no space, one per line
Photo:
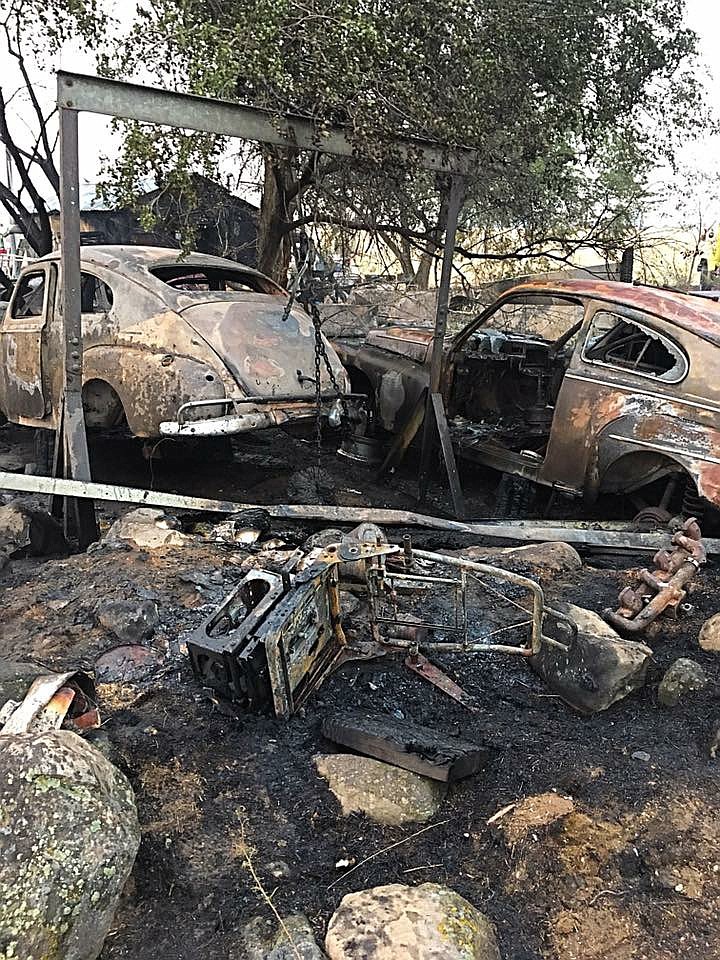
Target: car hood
[411,342]
[265,354]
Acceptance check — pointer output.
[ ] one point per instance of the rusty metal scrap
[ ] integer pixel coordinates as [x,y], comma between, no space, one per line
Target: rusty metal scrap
[620,537]
[661,590]
[53,700]
[276,637]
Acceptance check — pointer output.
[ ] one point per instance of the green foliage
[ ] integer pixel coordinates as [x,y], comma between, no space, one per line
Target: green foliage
[567,103]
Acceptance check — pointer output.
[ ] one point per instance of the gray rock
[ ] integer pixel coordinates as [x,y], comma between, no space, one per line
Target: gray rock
[69,834]
[385,793]
[129,620]
[28,532]
[147,529]
[684,676]
[599,668]
[264,939]
[429,922]
[709,638]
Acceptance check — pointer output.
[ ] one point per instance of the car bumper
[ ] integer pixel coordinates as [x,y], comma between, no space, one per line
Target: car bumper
[283,410]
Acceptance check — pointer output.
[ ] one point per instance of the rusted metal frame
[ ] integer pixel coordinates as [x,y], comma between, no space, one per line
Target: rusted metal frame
[448,455]
[455,201]
[78,93]
[537,638]
[72,439]
[460,625]
[164,107]
[521,531]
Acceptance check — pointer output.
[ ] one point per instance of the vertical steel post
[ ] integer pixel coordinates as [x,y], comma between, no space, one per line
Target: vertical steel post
[457,189]
[72,437]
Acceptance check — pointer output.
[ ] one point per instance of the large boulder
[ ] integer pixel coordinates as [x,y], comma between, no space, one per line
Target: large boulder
[684,676]
[429,922]
[29,532]
[598,668]
[383,792]
[69,833]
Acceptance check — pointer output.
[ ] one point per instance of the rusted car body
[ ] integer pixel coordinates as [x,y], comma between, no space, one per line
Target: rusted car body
[580,385]
[192,346]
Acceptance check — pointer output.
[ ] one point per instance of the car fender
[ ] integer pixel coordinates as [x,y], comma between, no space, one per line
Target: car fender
[657,443]
[152,384]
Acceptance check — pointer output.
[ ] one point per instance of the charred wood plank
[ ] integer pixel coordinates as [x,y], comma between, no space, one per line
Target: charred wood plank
[407,745]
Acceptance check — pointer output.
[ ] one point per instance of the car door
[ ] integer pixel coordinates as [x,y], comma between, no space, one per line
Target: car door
[624,363]
[23,391]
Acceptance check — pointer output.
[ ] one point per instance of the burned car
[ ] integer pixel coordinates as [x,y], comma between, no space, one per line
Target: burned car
[584,386]
[176,346]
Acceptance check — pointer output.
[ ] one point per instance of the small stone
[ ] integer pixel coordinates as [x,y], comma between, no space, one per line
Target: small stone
[684,676]
[709,638]
[385,793]
[130,621]
[429,922]
[264,939]
[278,869]
[535,813]
[641,755]
[147,529]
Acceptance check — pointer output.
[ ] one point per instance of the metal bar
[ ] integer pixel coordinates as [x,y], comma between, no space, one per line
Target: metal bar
[152,105]
[522,530]
[448,456]
[73,436]
[457,189]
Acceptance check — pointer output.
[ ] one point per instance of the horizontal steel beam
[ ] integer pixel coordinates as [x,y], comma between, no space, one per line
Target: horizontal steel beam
[524,531]
[130,101]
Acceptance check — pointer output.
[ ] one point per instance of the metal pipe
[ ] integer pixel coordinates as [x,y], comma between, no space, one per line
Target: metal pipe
[521,531]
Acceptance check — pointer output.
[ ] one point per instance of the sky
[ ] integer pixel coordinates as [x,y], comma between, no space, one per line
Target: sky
[97,141]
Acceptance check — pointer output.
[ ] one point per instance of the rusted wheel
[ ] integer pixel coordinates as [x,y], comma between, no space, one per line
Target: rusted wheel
[652,518]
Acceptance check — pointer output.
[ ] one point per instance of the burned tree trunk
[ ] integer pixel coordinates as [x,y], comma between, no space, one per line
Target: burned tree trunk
[274,239]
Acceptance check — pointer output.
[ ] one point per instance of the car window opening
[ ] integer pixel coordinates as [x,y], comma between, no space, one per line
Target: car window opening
[30,296]
[199,279]
[510,371]
[95,295]
[619,342]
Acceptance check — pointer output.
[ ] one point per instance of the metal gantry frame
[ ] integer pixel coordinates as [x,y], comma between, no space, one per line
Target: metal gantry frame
[79,93]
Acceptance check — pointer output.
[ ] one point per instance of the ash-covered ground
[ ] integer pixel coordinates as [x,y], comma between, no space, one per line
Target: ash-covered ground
[632,872]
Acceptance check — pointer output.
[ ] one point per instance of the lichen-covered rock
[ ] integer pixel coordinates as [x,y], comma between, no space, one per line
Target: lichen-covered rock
[385,793]
[264,939]
[429,922]
[69,834]
[684,676]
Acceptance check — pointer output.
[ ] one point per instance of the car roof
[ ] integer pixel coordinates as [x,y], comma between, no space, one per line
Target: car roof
[130,258]
[696,315]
